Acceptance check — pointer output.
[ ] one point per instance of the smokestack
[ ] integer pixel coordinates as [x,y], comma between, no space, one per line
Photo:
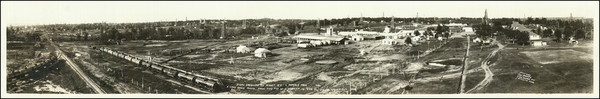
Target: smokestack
[244,24]
[319,26]
[223,31]
[393,24]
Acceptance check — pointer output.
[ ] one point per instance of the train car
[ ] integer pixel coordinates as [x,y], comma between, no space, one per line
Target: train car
[135,60]
[205,77]
[186,76]
[170,72]
[157,67]
[146,64]
[205,83]
[126,57]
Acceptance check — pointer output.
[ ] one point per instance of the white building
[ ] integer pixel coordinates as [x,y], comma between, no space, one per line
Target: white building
[243,49]
[358,38]
[393,41]
[387,29]
[261,52]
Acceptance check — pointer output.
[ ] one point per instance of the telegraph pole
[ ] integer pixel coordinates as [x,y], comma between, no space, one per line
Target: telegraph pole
[463,77]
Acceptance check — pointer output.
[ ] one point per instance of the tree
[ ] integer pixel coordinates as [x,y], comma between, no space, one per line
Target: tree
[579,34]
[522,38]
[547,33]
[78,36]
[483,30]
[428,33]
[568,33]
[417,33]
[85,35]
[408,40]
[558,35]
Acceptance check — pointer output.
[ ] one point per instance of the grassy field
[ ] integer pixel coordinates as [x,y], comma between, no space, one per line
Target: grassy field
[575,76]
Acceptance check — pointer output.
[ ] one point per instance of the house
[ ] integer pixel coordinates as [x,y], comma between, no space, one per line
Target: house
[387,29]
[305,45]
[477,40]
[261,52]
[534,39]
[392,41]
[358,38]
[243,49]
[391,35]
[537,43]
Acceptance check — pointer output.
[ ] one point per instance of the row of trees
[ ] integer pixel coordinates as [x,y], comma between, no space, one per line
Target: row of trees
[563,29]
[19,34]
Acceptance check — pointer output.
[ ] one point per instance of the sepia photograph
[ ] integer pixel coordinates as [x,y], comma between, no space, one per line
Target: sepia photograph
[389,49]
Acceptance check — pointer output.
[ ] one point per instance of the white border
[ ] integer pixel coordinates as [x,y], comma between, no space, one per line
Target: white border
[592,95]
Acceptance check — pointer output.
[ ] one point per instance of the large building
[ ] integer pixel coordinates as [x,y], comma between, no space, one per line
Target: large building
[534,39]
[321,39]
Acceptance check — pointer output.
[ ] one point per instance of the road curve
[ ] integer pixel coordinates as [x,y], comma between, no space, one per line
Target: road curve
[489,75]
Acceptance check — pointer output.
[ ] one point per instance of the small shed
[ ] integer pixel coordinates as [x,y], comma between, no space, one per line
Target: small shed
[261,52]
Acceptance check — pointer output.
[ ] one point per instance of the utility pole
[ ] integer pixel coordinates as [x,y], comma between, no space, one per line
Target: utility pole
[463,77]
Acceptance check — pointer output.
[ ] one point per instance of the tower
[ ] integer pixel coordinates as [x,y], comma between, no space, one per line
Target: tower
[485,17]
[330,31]
[244,24]
[417,17]
[393,25]
[361,17]
[571,16]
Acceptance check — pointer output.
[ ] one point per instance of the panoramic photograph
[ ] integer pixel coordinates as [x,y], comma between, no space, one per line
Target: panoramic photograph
[299,47]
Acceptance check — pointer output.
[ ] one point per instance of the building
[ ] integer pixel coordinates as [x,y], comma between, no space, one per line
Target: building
[261,52]
[387,29]
[243,49]
[312,37]
[357,38]
[534,39]
[404,33]
[391,35]
[365,34]
[320,39]
[393,41]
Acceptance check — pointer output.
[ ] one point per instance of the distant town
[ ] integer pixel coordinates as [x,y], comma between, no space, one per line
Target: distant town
[353,55]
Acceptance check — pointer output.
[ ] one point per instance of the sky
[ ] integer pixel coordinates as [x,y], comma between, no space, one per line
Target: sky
[59,12]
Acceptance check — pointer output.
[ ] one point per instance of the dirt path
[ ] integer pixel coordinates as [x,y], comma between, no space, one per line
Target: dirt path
[489,75]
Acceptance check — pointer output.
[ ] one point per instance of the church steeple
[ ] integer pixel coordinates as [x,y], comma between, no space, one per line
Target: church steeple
[485,17]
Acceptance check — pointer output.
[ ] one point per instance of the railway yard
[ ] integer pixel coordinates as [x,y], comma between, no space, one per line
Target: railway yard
[214,67]
[404,62]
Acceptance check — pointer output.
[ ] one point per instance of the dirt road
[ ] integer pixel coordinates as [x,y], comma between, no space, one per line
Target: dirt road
[489,75]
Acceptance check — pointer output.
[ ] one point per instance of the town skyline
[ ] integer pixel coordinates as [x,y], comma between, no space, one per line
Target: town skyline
[22,13]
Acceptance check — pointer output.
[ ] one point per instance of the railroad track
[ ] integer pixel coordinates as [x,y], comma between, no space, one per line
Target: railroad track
[88,81]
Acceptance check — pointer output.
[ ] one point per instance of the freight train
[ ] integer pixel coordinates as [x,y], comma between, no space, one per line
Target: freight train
[212,84]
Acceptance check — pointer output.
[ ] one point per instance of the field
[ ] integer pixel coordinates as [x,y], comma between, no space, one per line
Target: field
[557,56]
[573,76]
